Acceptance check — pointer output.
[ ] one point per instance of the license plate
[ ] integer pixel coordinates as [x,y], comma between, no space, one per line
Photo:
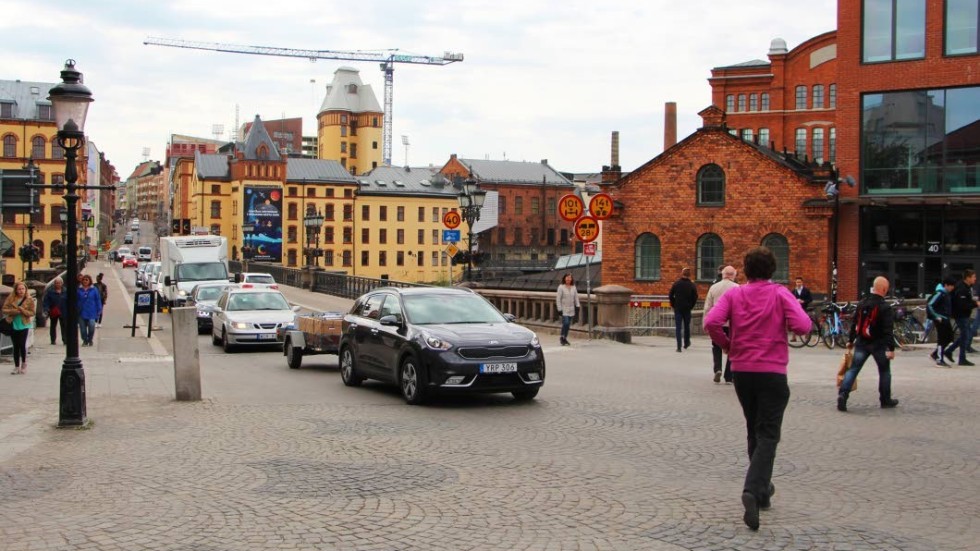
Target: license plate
[498,368]
[267,337]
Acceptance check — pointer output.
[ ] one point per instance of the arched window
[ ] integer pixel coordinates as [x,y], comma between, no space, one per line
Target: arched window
[57,249]
[9,146]
[647,254]
[57,152]
[780,249]
[710,255]
[38,147]
[711,185]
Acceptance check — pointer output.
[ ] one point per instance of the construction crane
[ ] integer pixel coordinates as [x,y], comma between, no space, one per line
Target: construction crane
[387,58]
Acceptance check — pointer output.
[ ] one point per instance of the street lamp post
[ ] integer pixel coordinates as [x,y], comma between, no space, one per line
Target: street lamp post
[32,170]
[247,230]
[470,202]
[63,216]
[313,221]
[70,100]
[832,190]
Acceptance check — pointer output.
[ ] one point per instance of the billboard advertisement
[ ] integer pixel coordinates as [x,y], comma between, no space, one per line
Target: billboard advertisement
[263,211]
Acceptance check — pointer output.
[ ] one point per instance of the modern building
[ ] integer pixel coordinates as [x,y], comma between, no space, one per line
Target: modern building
[150,188]
[909,92]
[350,123]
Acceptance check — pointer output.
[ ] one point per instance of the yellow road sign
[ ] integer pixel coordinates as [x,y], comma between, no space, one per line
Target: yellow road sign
[451,250]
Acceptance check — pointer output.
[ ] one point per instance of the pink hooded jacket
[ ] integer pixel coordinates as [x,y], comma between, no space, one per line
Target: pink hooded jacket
[759,314]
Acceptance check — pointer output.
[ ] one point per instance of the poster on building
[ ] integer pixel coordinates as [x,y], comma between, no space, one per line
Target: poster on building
[263,211]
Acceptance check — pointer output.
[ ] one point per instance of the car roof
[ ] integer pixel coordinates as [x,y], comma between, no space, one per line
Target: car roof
[448,291]
[253,290]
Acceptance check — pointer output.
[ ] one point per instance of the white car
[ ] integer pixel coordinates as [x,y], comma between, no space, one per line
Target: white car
[249,317]
[256,280]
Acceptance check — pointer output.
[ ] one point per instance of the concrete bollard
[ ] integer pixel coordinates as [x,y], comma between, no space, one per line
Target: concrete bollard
[187,356]
[614,312]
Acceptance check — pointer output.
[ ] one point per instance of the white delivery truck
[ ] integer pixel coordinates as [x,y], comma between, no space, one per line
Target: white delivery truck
[186,261]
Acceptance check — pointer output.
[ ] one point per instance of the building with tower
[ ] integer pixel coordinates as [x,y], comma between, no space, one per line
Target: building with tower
[350,123]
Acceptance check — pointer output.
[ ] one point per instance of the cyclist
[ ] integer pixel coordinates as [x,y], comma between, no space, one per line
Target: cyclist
[938,310]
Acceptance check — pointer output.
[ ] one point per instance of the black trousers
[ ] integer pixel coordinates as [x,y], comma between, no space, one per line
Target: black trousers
[19,339]
[716,353]
[763,397]
[54,324]
[944,334]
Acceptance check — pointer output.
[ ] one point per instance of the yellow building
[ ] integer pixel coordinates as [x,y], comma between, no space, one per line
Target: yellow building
[349,124]
[27,133]
[399,215]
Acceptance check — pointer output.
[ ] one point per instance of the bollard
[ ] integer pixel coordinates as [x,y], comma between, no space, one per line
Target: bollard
[187,357]
[614,312]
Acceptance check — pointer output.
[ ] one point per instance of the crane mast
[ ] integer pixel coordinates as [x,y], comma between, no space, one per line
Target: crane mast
[387,59]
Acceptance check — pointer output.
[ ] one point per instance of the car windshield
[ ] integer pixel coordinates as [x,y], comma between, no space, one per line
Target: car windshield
[201,272]
[209,293]
[260,278]
[257,301]
[439,309]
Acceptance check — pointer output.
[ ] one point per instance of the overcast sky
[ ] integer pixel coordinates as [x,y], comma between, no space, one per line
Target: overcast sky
[542,79]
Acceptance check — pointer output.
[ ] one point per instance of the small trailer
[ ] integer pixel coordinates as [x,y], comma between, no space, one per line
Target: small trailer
[311,334]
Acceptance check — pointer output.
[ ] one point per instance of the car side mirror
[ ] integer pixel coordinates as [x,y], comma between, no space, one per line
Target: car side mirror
[390,319]
[511,318]
[296,308]
[167,281]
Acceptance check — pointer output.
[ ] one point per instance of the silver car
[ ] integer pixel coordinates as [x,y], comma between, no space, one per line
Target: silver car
[249,317]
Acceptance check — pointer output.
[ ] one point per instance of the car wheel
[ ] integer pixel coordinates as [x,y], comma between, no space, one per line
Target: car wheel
[294,355]
[525,395]
[411,380]
[348,369]
[225,345]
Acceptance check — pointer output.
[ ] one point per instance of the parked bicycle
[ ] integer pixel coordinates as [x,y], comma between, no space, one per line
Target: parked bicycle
[835,323]
[810,338]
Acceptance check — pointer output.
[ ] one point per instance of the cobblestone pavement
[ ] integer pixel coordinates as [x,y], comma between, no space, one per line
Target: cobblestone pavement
[628,447]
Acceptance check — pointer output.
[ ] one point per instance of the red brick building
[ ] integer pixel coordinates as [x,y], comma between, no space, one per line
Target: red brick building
[908,110]
[787,103]
[708,199]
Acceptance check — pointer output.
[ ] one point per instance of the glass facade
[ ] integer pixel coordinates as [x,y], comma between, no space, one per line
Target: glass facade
[894,30]
[921,142]
[962,21]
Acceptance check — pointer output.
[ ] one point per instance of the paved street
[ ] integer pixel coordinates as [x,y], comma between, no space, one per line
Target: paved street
[628,447]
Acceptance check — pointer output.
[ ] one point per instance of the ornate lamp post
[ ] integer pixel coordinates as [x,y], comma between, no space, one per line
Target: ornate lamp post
[313,221]
[832,190]
[470,202]
[70,100]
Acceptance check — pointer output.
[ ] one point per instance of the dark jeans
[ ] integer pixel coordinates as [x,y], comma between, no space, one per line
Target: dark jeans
[682,322]
[861,354]
[19,339]
[944,334]
[55,324]
[716,353]
[963,343]
[763,397]
[566,322]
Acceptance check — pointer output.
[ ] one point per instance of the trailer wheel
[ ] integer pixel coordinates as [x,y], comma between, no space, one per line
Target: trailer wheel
[294,355]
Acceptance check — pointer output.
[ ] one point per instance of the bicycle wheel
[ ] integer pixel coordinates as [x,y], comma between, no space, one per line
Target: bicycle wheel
[841,338]
[915,329]
[826,334]
[813,337]
[796,341]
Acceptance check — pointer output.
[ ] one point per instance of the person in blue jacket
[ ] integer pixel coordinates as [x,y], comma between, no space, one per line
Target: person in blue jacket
[938,310]
[89,309]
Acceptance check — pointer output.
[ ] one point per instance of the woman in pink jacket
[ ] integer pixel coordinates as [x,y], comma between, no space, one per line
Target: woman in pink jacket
[758,314]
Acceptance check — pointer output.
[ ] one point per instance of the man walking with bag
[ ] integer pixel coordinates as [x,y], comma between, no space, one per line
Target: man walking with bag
[871,336]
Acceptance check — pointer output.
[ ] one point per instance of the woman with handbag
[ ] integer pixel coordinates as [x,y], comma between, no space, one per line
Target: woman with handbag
[53,304]
[18,311]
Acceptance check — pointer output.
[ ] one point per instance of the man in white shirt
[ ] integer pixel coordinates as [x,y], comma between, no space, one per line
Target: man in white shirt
[715,292]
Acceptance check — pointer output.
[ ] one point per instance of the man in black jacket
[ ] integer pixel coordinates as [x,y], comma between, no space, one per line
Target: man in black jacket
[683,296]
[802,294]
[871,336]
[963,305]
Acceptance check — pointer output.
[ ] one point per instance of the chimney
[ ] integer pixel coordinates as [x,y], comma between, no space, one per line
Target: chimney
[670,124]
[614,158]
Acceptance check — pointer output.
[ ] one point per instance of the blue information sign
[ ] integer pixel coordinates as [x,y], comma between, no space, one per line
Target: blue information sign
[450,236]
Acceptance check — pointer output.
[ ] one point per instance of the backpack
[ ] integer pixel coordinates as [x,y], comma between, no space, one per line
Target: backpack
[866,321]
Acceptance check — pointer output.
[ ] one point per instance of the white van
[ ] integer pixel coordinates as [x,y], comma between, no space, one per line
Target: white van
[188,261]
[144,254]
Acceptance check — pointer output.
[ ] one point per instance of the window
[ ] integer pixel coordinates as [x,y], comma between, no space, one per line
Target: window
[383,213]
[38,147]
[343,132]
[400,237]
[747,134]
[711,185]
[6,110]
[353,150]
[421,214]
[328,257]
[382,258]
[57,152]
[348,234]
[801,97]
[832,146]
[215,209]
[435,214]
[348,212]
[365,235]
[365,212]
[343,147]
[764,137]
[215,229]
[832,93]
[435,237]
[647,255]
[365,257]
[328,211]
[435,258]
[9,146]
[291,257]
[764,101]
[518,205]
[741,102]
[818,96]
[346,258]
[550,237]
[501,204]
[962,22]
[780,249]
[349,193]
[729,103]
[383,236]
[552,206]
[400,258]
[710,255]
[328,234]
[291,234]
[45,113]
[800,142]
[374,145]
[400,214]
[817,151]
[753,102]
[328,192]
[421,237]
[894,30]
[501,235]
[535,205]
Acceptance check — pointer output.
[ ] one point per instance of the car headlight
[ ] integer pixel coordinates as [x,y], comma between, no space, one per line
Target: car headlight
[535,342]
[240,325]
[435,343]
[204,313]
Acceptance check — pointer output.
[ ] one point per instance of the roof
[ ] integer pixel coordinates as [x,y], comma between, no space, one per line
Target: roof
[317,170]
[348,93]
[488,213]
[256,138]
[751,63]
[417,181]
[26,96]
[211,165]
[514,172]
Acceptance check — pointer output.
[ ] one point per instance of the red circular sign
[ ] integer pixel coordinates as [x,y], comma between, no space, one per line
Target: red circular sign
[587,229]
[571,207]
[451,219]
[601,206]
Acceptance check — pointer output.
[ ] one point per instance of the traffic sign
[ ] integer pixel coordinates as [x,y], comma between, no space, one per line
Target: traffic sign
[601,206]
[589,249]
[587,229]
[571,207]
[452,250]
[451,219]
[5,243]
[450,236]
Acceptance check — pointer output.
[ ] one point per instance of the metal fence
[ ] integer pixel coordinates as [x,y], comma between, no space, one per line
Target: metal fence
[652,315]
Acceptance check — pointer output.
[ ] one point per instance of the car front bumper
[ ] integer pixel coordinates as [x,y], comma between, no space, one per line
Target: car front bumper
[443,367]
[253,337]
